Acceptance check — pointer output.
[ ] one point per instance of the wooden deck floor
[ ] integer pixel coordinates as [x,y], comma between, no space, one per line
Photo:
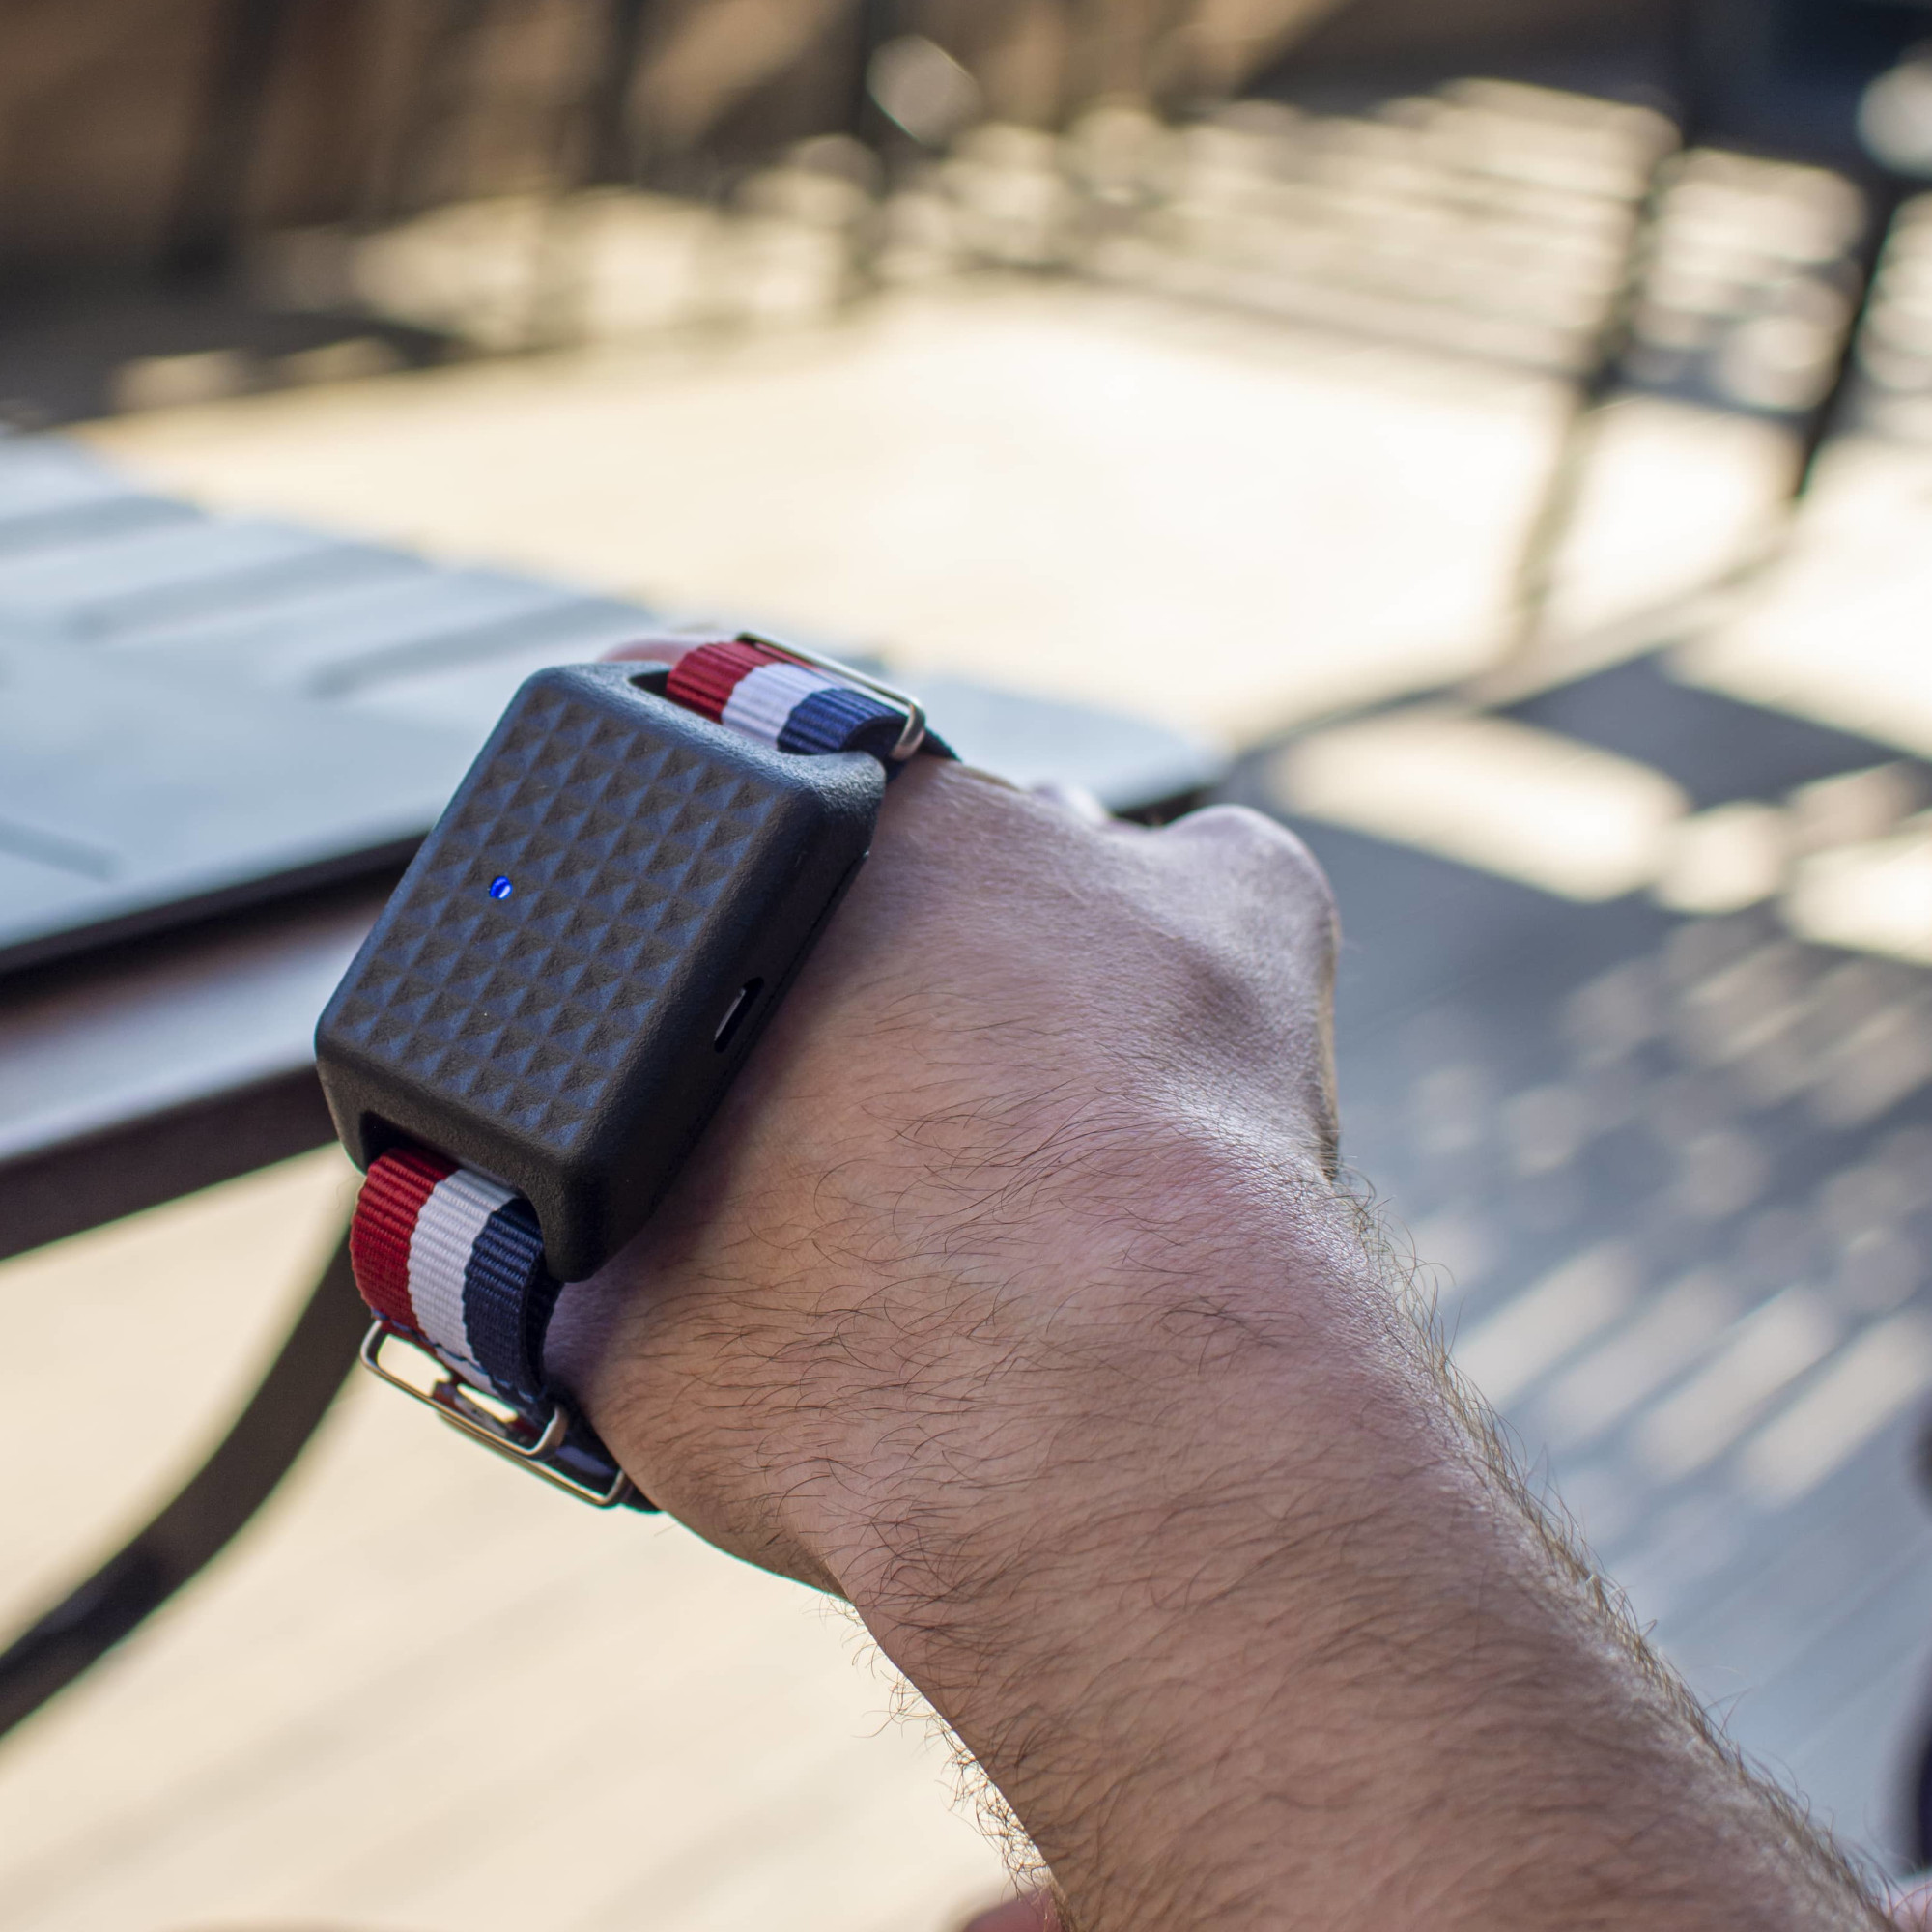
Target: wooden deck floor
[422,1692]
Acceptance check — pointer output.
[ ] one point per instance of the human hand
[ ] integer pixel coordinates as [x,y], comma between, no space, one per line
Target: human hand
[1027,1052]
[1010,1296]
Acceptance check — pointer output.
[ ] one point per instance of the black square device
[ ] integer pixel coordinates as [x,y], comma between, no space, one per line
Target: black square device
[586,946]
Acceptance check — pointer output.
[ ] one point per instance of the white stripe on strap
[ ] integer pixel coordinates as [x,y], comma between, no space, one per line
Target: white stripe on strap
[446,1233]
[762,705]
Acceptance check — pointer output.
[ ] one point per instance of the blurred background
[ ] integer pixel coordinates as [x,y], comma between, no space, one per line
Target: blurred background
[1493,436]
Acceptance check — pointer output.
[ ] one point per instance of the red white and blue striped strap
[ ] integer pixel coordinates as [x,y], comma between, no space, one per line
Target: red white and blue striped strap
[453,1260]
[782,701]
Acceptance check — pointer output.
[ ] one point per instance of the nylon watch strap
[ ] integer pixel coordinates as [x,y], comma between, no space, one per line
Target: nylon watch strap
[450,1261]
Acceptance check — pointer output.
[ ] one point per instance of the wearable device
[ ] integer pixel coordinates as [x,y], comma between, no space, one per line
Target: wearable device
[562,987]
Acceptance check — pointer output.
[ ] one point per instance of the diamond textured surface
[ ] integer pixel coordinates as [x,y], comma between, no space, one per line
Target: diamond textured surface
[619,850]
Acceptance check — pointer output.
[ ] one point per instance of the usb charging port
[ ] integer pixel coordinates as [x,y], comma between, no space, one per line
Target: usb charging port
[736,1014]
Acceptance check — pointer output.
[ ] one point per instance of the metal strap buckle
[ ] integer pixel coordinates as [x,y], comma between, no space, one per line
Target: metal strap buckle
[913,734]
[488,1419]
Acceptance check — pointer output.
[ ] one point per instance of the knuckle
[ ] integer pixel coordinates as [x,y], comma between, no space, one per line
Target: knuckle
[1255,841]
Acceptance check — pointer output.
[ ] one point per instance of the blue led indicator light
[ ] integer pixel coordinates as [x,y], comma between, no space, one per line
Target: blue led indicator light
[501,888]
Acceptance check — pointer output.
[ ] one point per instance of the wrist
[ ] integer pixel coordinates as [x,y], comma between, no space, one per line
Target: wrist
[1238,1496]
[1137,1469]
[1105,1352]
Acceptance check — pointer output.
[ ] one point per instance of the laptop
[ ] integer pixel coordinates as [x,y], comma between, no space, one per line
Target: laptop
[200,711]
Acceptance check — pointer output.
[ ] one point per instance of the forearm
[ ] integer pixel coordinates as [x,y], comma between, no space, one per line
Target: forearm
[1260,1634]
[1008,1296]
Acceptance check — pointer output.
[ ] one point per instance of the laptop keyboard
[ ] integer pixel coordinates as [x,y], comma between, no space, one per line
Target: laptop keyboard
[87,562]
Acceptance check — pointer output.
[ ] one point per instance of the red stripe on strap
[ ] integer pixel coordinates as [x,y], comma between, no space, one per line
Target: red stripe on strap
[386,1223]
[704,679]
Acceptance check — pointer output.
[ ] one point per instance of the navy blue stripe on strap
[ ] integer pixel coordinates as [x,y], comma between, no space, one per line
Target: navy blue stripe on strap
[508,1295]
[840,719]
